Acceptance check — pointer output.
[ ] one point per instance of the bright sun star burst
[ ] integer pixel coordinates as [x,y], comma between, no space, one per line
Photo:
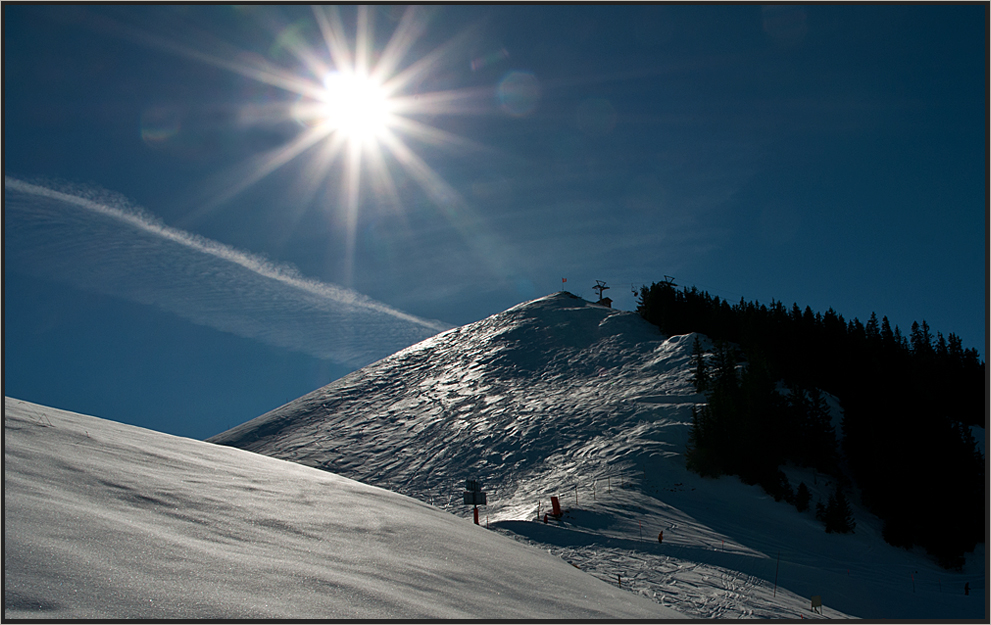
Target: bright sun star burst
[355,105]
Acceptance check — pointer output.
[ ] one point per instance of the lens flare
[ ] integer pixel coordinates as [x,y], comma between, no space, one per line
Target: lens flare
[519,93]
[158,125]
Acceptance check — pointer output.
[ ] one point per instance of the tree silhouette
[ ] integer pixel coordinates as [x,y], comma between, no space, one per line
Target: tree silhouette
[700,373]
[802,497]
[905,408]
[838,516]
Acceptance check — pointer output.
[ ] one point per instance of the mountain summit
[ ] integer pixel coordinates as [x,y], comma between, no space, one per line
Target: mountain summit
[540,397]
[561,397]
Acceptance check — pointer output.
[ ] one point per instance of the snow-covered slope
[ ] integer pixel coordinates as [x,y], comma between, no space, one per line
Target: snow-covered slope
[540,397]
[108,521]
[562,397]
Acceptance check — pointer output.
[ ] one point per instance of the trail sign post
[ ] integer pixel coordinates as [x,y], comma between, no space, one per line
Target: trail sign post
[474,496]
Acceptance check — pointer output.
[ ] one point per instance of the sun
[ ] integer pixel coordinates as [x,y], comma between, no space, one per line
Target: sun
[356,102]
[358,106]
[354,105]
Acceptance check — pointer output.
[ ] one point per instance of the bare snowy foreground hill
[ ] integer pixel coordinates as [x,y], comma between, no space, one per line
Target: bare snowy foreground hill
[562,397]
[108,521]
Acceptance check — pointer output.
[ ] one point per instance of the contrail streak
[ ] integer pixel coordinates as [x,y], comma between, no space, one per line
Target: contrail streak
[104,245]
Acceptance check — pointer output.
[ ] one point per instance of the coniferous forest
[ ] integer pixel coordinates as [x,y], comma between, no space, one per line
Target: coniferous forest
[907,402]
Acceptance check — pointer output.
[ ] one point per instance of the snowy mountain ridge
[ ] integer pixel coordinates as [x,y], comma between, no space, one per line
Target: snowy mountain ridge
[559,396]
[493,401]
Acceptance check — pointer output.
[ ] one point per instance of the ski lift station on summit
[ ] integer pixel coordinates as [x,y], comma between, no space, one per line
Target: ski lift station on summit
[600,286]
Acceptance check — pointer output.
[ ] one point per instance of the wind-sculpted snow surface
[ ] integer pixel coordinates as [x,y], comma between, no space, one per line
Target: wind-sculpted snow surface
[109,521]
[562,397]
[535,398]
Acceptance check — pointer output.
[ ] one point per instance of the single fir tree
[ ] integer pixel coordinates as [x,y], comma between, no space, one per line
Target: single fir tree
[700,454]
[838,515]
[700,377]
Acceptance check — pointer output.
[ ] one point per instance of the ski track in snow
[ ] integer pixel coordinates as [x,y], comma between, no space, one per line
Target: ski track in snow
[562,397]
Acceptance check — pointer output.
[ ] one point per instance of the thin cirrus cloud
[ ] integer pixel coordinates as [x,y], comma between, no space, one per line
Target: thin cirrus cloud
[98,242]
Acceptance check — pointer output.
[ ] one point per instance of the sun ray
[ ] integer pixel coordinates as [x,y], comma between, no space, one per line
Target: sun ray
[297,46]
[363,41]
[457,211]
[258,69]
[451,102]
[381,181]
[243,177]
[443,194]
[280,156]
[317,169]
[411,27]
[333,35]
[435,136]
[426,64]
[352,187]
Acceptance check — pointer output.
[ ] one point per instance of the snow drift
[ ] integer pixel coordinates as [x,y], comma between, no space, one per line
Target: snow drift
[109,521]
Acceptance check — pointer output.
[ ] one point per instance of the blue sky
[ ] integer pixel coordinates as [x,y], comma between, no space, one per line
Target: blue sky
[187,244]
